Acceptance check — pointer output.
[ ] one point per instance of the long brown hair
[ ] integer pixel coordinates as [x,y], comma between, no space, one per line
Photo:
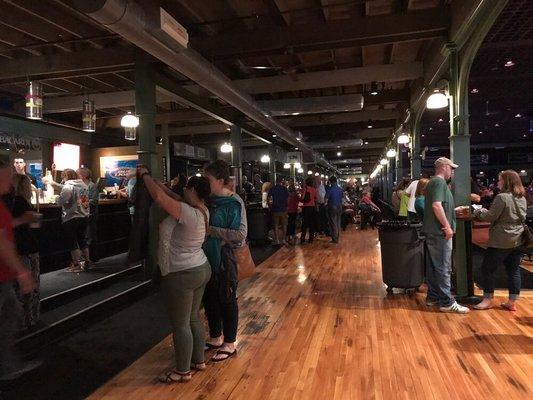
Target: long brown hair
[421,187]
[512,183]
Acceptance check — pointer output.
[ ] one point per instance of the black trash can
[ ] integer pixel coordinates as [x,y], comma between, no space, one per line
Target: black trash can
[402,254]
[258,223]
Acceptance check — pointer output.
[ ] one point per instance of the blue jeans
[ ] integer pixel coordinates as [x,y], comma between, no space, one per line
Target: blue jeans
[493,258]
[439,269]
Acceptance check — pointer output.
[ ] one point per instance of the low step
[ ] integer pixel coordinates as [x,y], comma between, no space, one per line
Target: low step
[72,316]
[62,287]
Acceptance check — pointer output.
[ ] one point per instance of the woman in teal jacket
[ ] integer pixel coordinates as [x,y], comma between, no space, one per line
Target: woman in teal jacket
[220,300]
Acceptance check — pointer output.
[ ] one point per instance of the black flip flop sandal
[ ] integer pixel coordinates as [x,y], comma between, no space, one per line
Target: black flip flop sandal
[228,354]
[209,346]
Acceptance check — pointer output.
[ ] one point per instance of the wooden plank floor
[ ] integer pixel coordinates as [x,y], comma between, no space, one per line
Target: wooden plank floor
[317,324]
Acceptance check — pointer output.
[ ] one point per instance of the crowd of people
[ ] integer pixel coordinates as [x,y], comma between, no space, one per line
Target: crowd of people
[206,225]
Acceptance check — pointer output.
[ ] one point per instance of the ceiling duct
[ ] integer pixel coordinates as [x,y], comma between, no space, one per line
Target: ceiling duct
[337,144]
[348,161]
[149,31]
[314,105]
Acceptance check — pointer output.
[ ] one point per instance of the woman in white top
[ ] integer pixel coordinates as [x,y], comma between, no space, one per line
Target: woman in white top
[184,268]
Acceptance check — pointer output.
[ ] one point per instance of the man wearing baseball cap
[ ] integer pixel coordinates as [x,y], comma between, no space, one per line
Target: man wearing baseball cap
[439,227]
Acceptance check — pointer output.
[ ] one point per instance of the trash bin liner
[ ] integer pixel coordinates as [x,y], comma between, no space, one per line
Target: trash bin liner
[402,254]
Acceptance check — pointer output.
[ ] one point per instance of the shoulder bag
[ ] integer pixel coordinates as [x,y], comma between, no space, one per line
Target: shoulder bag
[245,263]
[527,235]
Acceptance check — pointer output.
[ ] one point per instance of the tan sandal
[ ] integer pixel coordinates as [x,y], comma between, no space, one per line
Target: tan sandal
[175,377]
[199,366]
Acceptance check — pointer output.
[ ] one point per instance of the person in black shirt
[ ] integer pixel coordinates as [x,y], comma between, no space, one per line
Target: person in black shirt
[20,167]
[18,201]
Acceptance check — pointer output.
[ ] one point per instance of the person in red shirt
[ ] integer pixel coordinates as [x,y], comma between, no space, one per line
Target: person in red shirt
[308,210]
[11,269]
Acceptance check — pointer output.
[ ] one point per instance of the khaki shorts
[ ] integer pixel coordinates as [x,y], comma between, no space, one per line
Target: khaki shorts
[279,219]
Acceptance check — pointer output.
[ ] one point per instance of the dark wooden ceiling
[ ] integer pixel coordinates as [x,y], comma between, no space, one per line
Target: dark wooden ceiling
[271,46]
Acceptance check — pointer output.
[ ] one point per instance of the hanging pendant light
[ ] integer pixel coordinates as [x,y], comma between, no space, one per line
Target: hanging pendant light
[369,124]
[436,100]
[391,153]
[226,148]
[384,161]
[265,159]
[34,100]
[130,123]
[88,116]
[403,139]
[300,170]
[286,166]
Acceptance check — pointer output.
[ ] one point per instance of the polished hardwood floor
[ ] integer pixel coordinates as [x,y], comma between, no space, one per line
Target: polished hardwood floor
[317,323]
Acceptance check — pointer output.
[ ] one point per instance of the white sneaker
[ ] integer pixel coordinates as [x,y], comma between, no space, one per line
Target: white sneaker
[455,308]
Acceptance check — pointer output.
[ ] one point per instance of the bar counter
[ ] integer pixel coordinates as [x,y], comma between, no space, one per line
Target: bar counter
[112,234]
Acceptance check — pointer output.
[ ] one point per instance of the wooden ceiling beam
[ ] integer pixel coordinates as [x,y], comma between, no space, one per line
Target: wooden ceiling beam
[363,31]
[39,66]
[327,79]
[341,118]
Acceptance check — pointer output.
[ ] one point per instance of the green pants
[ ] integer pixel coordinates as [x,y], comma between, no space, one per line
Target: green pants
[182,293]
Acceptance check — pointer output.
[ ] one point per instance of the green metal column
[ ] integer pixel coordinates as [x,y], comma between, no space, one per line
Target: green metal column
[145,108]
[416,160]
[390,179]
[460,154]
[399,163]
[272,163]
[236,156]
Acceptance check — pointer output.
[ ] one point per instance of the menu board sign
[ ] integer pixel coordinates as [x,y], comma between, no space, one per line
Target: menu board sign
[189,151]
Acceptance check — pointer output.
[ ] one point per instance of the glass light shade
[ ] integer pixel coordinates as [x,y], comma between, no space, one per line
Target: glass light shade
[129,121]
[309,172]
[265,159]
[34,100]
[198,174]
[286,166]
[391,153]
[88,116]
[297,165]
[226,148]
[384,161]
[403,139]
[130,133]
[317,174]
[300,170]
[436,100]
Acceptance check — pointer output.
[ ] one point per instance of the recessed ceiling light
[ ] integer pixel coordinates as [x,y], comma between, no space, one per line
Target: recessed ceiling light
[296,148]
[298,139]
[366,142]
[496,125]
[274,135]
[518,115]
[295,113]
[441,120]
[509,63]
[480,132]
[474,91]
[423,135]
[523,136]
[430,129]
